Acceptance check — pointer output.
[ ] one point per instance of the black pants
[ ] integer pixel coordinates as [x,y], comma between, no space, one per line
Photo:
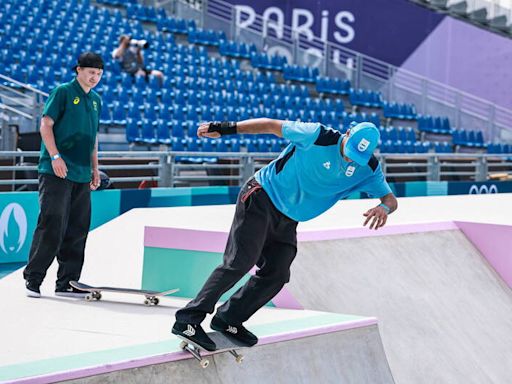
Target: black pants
[62,229]
[260,235]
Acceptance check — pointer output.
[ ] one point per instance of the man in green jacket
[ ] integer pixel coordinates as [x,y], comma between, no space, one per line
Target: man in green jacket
[68,171]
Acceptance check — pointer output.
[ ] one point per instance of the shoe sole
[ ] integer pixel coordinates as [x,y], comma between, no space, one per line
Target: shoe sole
[69,294]
[33,294]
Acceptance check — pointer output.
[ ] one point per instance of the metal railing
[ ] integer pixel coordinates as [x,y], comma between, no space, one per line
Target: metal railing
[494,7]
[21,106]
[21,95]
[174,169]
[430,97]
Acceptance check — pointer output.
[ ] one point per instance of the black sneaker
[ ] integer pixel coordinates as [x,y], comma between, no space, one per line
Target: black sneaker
[70,291]
[32,289]
[236,331]
[195,333]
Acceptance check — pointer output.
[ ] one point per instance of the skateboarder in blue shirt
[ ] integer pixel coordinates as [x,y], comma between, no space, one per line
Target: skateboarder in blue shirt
[319,167]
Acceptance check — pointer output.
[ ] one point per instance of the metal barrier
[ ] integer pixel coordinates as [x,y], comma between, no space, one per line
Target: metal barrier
[174,169]
[335,60]
[20,110]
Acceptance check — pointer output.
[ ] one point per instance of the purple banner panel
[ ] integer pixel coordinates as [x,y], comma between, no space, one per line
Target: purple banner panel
[389,30]
[471,59]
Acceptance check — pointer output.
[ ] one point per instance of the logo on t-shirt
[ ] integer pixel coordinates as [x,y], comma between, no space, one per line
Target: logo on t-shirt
[76,100]
[350,171]
[95,105]
[327,165]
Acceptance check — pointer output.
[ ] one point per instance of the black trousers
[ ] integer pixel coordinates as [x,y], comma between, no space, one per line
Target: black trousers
[260,235]
[62,229]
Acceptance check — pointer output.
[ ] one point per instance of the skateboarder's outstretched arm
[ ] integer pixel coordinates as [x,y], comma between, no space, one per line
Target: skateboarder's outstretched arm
[216,129]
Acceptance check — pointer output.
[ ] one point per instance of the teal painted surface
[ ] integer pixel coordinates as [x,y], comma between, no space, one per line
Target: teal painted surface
[105,206]
[165,269]
[8,268]
[18,219]
[415,188]
[421,188]
[169,197]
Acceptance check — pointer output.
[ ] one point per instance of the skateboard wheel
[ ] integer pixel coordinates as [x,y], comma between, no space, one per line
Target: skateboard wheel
[147,302]
[183,344]
[89,297]
[98,296]
[239,359]
[204,363]
[156,301]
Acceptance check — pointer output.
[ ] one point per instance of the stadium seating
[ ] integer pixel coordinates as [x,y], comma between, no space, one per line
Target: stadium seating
[436,125]
[332,86]
[197,86]
[399,111]
[468,138]
[366,98]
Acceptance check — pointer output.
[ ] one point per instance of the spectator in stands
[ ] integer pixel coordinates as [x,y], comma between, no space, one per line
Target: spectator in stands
[318,168]
[130,57]
[68,171]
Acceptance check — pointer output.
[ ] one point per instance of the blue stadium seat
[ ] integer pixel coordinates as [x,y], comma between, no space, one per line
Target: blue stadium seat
[148,132]
[235,144]
[132,132]
[177,128]
[252,145]
[150,114]
[480,139]
[165,114]
[105,117]
[177,144]
[134,112]
[163,134]
[119,115]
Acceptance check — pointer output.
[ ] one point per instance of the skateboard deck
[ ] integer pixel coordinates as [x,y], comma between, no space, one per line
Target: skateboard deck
[224,344]
[151,297]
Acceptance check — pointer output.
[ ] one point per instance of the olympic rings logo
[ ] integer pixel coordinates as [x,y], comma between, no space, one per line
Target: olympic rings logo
[483,189]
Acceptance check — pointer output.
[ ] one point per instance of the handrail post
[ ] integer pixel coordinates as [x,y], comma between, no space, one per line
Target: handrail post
[359,70]
[204,12]
[247,168]
[165,170]
[481,169]
[326,59]
[434,169]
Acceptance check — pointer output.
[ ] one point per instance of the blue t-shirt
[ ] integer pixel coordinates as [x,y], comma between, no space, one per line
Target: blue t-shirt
[310,175]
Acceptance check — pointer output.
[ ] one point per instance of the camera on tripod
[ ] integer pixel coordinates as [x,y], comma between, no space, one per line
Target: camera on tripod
[142,44]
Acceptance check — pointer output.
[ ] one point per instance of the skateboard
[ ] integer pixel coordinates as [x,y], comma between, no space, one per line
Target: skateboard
[224,344]
[151,297]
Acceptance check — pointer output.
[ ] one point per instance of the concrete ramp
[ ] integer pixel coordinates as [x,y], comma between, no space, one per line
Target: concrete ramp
[353,356]
[119,340]
[445,315]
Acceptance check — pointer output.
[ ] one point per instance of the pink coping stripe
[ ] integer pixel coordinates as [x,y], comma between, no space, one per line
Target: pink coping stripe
[215,241]
[176,356]
[187,239]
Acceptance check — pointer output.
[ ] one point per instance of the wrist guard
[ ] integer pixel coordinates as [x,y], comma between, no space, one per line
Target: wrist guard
[223,127]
